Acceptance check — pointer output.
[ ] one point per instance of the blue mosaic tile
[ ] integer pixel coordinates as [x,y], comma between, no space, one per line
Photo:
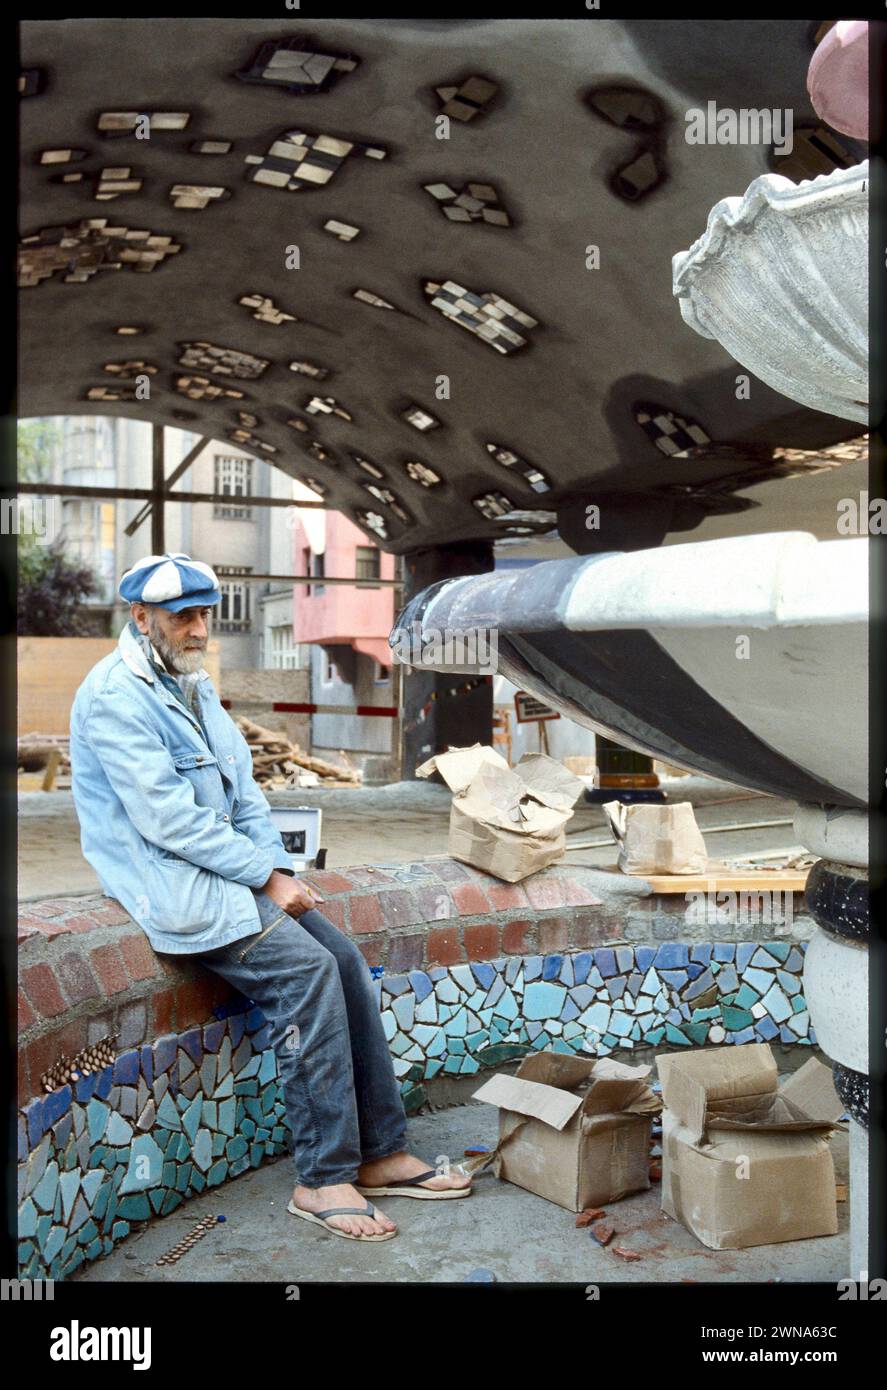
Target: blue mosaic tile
[605,960]
[197,1126]
[671,955]
[423,985]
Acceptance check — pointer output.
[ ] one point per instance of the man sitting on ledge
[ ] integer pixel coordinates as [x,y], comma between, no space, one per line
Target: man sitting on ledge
[179,832]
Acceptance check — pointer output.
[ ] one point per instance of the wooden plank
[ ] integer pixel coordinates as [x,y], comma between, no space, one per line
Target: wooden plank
[720,878]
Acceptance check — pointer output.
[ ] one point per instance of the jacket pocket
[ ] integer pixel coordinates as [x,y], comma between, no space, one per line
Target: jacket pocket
[262,934]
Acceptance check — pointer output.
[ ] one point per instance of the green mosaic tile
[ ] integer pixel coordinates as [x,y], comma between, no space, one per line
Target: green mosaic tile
[135,1207]
[170,1201]
[414,1099]
[121,1229]
[217,1173]
[155,1197]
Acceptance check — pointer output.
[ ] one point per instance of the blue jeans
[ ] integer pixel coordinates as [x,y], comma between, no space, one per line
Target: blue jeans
[314,987]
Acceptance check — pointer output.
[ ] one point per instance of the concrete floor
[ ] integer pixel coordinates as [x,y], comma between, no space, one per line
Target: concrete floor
[397,823]
[517,1236]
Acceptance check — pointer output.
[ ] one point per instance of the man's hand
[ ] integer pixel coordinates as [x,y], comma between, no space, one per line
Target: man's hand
[294,897]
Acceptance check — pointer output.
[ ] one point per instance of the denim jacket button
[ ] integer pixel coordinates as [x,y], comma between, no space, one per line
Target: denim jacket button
[226,817]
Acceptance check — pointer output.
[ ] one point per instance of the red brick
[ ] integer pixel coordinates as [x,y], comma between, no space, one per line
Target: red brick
[444,947]
[111,913]
[43,991]
[76,978]
[141,962]
[334,911]
[578,895]
[27,924]
[552,934]
[195,999]
[326,881]
[545,892]
[108,965]
[26,1015]
[372,951]
[52,907]
[365,915]
[365,876]
[514,938]
[162,1005]
[405,953]
[470,899]
[81,924]
[434,904]
[452,872]
[399,908]
[592,929]
[481,941]
[503,896]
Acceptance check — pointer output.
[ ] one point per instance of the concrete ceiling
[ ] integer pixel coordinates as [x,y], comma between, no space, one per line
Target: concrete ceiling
[606,340]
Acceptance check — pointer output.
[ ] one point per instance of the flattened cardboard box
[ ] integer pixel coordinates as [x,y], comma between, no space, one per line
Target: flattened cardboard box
[744,1160]
[508,822]
[574,1130]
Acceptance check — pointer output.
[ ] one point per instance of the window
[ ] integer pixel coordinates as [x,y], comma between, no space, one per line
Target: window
[234,609]
[382,674]
[314,566]
[366,564]
[327,668]
[285,654]
[233,477]
[88,529]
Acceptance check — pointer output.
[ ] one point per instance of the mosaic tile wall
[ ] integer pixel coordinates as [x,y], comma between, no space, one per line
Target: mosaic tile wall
[170,1119]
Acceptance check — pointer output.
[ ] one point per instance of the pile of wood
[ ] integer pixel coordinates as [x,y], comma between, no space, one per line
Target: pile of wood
[44,762]
[277,762]
[46,753]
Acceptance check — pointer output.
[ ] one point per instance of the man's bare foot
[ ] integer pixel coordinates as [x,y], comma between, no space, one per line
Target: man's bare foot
[385,1172]
[317,1199]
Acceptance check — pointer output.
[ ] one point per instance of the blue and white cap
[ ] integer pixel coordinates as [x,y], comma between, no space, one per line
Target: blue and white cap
[170,581]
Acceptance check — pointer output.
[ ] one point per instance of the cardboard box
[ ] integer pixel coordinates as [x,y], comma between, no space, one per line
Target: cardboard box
[657,839]
[744,1160]
[574,1130]
[508,822]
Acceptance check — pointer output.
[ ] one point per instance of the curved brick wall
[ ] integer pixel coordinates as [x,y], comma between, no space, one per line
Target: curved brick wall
[470,972]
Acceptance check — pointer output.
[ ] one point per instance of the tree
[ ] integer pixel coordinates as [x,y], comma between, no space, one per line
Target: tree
[50,586]
[50,591]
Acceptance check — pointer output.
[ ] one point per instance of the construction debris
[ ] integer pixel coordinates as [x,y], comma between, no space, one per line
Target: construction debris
[48,753]
[278,762]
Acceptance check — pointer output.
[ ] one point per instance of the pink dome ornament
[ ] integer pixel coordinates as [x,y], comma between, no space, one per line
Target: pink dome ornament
[838,78]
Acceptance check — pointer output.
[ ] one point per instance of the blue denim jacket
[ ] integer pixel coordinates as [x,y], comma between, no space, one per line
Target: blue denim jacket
[173,822]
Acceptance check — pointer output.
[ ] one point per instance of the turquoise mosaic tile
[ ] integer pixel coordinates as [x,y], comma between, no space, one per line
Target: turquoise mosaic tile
[169,1120]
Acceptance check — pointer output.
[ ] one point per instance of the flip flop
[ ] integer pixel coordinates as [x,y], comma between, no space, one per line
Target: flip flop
[409,1187]
[321,1218]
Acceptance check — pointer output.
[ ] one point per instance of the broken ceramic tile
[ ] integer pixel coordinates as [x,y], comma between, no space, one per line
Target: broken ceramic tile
[292,65]
[87,247]
[297,160]
[265,310]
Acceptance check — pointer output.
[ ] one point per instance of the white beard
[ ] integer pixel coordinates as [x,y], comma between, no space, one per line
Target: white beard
[183,661]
